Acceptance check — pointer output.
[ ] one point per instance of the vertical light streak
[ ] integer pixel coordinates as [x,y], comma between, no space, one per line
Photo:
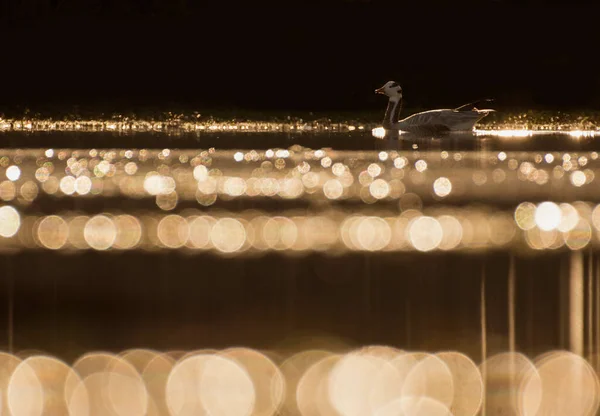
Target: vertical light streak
[11,306]
[483,338]
[511,304]
[597,323]
[590,305]
[576,312]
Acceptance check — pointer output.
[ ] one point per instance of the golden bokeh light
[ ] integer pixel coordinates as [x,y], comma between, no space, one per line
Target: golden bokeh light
[505,374]
[67,185]
[377,380]
[234,186]
[173,231]
[110,386]
[389,382]
[452,232]
[569,218]
[200,231]
[363,186]
[129,232]
[568,385]
[371,233]
[156,184]
[8,190]
[29,191]
[237,233]
[313,396]
[226,388]
[379,189]
[8,365]
[333,189]
[155,375]
[228,235]
[25,392]
[54,378]
[52,232]
[100,232]
[596,217]
[10,221]
[579,236]
[292,370]
[167,202]
[378,132]
[13,173]
[350,381]
[425,233]
[267,380]
[279,233]
[421,165]
[548,216]
[183,386]
[525,215]
[430,378]
[442,187]
[83,185]
[467,382]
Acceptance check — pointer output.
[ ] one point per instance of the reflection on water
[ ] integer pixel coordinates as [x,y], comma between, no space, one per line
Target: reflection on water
[484,243]
[299,199]
[529,133]
[547,226]
[373,380]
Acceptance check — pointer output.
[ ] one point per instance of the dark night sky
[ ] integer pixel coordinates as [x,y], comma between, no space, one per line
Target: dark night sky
[298,55]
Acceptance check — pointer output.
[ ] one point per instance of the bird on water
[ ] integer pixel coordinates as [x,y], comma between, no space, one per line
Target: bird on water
[462,118]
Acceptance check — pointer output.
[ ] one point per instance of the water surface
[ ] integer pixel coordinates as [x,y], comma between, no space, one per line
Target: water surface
[327,236]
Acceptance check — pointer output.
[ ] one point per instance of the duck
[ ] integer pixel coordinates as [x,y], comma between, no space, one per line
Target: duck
[462,118]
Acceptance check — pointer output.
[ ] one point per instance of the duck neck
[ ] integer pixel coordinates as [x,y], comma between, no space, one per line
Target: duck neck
[392,113]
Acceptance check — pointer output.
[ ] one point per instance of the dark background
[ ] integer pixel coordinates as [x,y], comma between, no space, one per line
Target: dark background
[296,55]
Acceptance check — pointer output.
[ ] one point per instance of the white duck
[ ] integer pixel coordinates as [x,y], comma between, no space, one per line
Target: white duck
[434,121]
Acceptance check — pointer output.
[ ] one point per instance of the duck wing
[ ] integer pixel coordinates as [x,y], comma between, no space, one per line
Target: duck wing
[439,121]
[429,129]
[432,120]
[472,105]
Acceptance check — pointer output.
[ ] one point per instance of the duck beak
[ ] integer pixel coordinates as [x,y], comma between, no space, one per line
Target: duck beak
[380,90]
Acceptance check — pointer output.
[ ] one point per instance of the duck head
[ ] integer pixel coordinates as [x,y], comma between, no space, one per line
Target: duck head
[391,89]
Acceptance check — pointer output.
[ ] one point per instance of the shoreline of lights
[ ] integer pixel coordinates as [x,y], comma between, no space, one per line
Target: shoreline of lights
[380,133]
[173,126]
[531,132]
[183,127]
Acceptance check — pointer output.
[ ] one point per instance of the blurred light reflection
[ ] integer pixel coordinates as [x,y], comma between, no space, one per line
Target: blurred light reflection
[377,380]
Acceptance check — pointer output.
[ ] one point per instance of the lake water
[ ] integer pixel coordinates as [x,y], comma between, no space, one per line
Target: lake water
[302,242]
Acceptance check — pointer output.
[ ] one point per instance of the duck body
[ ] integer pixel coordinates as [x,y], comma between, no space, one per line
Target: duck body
[462,118]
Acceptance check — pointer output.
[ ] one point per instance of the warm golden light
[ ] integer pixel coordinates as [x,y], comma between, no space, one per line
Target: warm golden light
[13,173]
[333,189]
[379,189]
[442,187]
[10,221]
[203,180]
[548,216]
[425,233]
[100,232]
[378,132]
[378,380]
[52,232]
[228,235]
